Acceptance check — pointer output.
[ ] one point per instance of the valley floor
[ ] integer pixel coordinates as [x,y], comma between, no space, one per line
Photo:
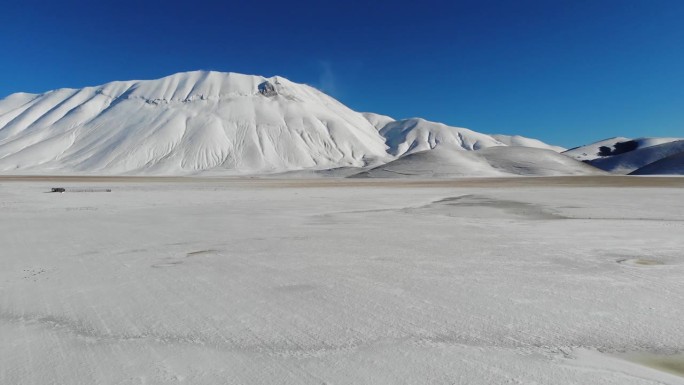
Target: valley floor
[341,281]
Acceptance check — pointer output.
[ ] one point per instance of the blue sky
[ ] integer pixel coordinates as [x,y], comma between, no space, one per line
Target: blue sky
[566,72]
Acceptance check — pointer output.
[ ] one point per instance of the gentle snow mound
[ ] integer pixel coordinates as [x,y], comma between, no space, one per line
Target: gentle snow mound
[493,161]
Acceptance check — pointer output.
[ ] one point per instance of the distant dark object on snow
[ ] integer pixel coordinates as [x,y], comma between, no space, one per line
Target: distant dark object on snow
[62,189]
[618,148]
[267,89]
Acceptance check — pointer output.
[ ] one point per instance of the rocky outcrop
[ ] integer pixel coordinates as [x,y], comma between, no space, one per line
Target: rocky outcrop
[267,89]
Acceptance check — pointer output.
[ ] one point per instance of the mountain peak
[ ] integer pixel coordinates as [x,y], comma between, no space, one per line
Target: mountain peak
[184,123]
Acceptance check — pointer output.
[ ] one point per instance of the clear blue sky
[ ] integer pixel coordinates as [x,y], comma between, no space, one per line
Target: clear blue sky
[564,71]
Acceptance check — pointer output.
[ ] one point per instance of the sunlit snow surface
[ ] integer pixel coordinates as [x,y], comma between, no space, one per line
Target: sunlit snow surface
[340,281]
[206,122]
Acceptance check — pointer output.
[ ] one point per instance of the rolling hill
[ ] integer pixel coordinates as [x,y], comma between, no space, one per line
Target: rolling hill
[490,162]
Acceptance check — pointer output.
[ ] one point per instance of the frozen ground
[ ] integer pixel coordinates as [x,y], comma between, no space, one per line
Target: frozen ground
[546,281]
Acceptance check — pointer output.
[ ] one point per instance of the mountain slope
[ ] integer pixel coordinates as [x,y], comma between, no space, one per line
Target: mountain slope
[630,161]
[183,124]
[378,121]
[408,136]
[494,161]
[671,165]
[521,141]
[414,135]
[614,146]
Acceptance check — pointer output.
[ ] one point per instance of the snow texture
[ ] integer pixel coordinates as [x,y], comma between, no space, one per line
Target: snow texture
[521,141]
[344,282]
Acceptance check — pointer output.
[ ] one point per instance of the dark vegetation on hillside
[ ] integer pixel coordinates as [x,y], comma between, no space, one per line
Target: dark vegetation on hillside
[618,148]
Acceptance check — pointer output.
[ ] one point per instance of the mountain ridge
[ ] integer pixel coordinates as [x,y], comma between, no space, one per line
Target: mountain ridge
[232,124]
[184,123]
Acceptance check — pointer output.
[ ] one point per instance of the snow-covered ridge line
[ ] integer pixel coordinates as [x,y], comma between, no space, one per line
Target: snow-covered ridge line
[223,124]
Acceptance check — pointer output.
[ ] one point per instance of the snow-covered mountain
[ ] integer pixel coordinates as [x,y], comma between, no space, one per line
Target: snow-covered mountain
[614,146]
[623,155]
[182,124]
[593,150]
[631,161]
[227,123]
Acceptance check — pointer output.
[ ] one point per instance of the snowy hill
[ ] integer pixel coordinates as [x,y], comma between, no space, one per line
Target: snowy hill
[630,161]
[624,155]
[493,161]
[183,124]
[592,150]
[614,146]
[671,165]
[408,136]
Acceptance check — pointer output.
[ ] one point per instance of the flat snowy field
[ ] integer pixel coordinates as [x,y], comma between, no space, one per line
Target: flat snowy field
[199,281]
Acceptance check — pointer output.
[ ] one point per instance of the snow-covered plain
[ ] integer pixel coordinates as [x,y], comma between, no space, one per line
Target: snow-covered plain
[333,281]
